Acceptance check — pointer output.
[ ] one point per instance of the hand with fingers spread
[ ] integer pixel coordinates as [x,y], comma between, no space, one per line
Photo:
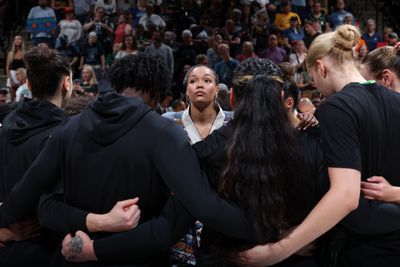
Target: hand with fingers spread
[378,188]
[20,231]
[307,120]
[78,248]
[123,216]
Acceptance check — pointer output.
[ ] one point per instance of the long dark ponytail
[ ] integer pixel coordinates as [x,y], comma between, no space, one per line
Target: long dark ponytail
[265,166]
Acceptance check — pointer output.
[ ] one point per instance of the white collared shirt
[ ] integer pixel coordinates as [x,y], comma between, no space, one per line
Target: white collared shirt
[191,129]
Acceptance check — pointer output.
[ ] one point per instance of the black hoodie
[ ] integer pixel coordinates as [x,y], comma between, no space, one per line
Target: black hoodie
[22,137]
[119,149]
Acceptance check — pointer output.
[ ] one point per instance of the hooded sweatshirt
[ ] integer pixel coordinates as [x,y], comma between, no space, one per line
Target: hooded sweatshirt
[22,137]
[119,149]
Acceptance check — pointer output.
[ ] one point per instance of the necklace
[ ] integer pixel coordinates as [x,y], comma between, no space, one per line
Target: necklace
[203,133]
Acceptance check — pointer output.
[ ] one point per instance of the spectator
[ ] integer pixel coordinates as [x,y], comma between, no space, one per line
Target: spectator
[69,51]
[260,31]
[110,7]
[226,67]
[318,15]
[296,59]
[337,17]
[83,9]
[157,48]
[88,86]
[14,62]
[128,47]
[371,37]
[361,55]
[232,37]
[103,29]
[3,100]
[186,53]
[178,105]
[187,15]
[141,40]
[201,59]
[93,54]
[306,12]
[385,36]
[247,52]
[70,28]
[212,51]
[164,103]
[123,28]
[124,5]
[223,97]
[151,18]
[59,7]
[139,11]
[293,34]
[273,52]
[393,38]
[282,20]
[310,33]
[42,22]
[23,90]
[170,40]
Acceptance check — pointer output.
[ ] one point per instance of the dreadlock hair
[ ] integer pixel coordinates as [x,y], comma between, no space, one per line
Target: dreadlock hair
[265,173]
[143,72]
[42,63]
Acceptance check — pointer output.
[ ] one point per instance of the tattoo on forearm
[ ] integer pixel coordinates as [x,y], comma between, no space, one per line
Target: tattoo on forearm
[75,246]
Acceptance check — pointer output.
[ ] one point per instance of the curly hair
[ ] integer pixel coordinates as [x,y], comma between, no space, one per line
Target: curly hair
[144,72]
[265,173]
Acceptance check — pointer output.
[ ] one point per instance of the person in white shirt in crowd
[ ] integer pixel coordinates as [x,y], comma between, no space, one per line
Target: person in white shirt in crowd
[71,28]
[23,90]
[151,18]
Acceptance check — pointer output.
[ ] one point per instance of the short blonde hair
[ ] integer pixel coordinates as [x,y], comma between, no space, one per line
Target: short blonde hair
[22,71]
[337,45]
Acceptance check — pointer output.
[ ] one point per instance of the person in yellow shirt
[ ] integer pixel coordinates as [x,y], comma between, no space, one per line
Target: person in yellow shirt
[282,20]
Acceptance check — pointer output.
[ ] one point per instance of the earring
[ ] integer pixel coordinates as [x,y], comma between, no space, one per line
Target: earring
[187,100]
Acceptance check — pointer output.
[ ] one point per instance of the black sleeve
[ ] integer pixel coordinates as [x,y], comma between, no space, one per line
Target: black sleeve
[342,149]
[339,137]
[373,218]
[57,215]
[191,190]
[40,177]
[184,178]
[149,238]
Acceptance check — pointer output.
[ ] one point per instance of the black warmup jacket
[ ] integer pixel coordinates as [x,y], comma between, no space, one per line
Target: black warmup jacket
[117,149]
[22,137]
